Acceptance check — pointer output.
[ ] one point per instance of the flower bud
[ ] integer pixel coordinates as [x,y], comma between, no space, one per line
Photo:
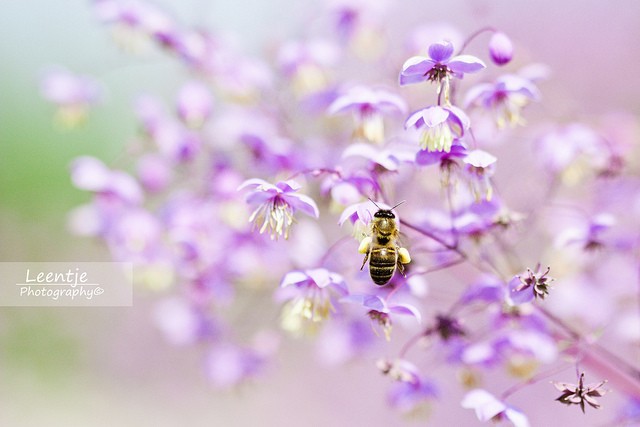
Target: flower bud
[500,48]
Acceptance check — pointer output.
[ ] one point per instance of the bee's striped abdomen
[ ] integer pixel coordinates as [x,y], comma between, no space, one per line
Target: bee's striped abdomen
[382,264]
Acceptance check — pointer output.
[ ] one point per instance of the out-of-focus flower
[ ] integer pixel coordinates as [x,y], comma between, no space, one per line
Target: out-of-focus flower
[308,298]
[227,365]
[154,172]
[489,408]
[368,107]
[589,236]
[572,151]
[440,126]
[379,311]
[390,157]
[305,63]
[73,95]
[91,174]
[579,394]
[355,16]
[348,189]
[276,205]
[523,289]
[194,104]
[136,22]
[479,168]
[447,327]
[411,397]
[500,48]
[504,99]
[340,342]
[181,323]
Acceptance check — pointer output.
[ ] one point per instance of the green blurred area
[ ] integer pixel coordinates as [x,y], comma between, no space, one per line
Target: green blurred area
[41,348]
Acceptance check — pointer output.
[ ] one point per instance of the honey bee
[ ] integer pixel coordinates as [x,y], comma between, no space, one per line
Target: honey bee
[381,247]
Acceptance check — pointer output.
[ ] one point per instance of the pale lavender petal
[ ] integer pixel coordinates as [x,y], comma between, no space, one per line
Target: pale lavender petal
[126,187]
[479,159]
[406,309]
[303,203]
[288,186]
[441,51]
[89,173]
[430,117]
[460,117]
[260,197]
[517,418]
[294,278]
[372,302]
[349,213]
[414,70]
[194,103]
[518,295]
[466,64]
[484,403]
[255,182]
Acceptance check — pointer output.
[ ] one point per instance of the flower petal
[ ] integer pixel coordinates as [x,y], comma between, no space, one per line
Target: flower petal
[466,64]
[441,51]
[406,309]
[303,203]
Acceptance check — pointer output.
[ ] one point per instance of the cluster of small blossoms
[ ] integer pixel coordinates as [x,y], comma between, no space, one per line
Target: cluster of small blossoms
[263,178]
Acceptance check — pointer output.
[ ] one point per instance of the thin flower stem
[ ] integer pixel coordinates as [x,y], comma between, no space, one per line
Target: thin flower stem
[534,379]
[412,341]
[590,354]
[473,36]
[438,267]
[432,236]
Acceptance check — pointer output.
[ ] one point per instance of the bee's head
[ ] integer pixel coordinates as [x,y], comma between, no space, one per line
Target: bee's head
[384,213]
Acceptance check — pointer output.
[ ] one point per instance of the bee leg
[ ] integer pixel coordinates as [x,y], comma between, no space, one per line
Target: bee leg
[401,268]
[366,257]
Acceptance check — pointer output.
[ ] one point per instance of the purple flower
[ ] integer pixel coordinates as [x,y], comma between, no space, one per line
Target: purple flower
[134,18]
[305,63]
[446,159]
[504,99]
[523,289]
[569,149]
[72,94]
[479,168]
[276,205]
[90,174]
[579,394]
[346,190]
[440,126]
[589,236]
[181,323]
[154,172]
[439,65]
[380,311]
[308,298]
[389,158]
[489,408]
[227,365]
[500,48]
[194,104]
[409,396]
[368,106]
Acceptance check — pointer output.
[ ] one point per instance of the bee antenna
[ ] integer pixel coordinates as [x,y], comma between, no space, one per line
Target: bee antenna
[374,203]
[397,205]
